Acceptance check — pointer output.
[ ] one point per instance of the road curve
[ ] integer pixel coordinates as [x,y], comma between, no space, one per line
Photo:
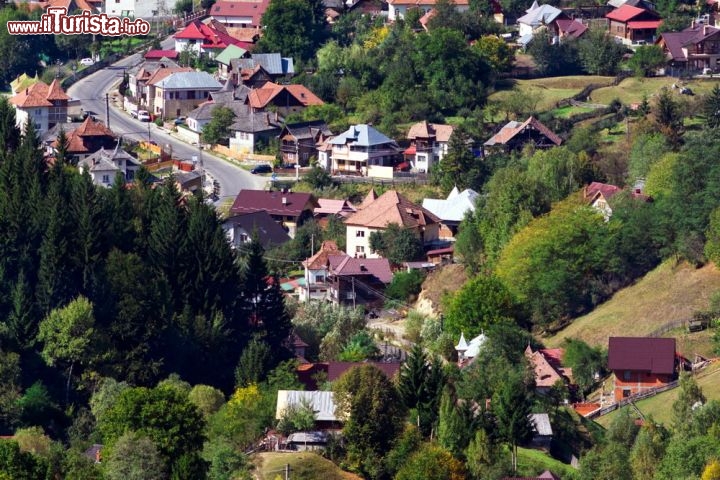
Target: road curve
[90,91]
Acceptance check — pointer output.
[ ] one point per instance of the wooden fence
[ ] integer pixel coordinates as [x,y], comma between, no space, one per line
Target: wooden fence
[634,398]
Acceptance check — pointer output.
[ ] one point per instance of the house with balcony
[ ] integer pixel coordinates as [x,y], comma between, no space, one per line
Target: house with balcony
[299,141]
[374,215]
[181,92]
[104,165]
[42,104]
[317,274]
[360,147]
[428,145]
[693,49]
[289,209]
[634,25]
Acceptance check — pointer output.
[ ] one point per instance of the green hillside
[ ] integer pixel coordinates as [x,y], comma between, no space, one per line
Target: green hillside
[669,293]
[303,466]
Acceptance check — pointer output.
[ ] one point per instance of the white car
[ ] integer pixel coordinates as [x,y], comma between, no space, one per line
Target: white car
[87,62]
[143,116]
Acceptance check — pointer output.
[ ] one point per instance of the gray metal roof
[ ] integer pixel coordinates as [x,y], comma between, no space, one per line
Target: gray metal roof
[272,63]
[543,15]
[541,424]
[362,135]
[190,80]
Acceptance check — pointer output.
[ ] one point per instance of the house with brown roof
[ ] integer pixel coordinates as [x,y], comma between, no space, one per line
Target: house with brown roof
[333,208]
[299,141]
[290,209]
[693,49]
[44,105]
[428,144]
[317,283]
[598,196]
[515,135]
[139,75]
[309,373]
[376,215]
[284,99]
[640,364]
[547,366]
[87,138]
[633,25]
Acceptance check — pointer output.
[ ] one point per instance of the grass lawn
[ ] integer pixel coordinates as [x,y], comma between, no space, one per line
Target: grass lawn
[553,89]
[534,462]
[660,406]
[303,466]
[570,110]
[670,292]
[633,89]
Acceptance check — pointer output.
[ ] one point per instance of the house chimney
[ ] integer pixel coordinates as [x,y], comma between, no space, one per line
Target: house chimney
[284,200]
[705,29]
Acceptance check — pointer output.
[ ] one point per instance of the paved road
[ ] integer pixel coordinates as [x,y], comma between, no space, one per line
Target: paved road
[91,93]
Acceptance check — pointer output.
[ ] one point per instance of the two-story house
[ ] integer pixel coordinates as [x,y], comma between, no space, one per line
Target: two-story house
[640,364]
[42,104]
[223,59]
[104,165]
[361,146]
[181,92]
[693,49]
[202,39]
[290,209]
[375,216]
[398,8]
[428,144]
[261,68]
[515,135]
[148,92]
[283,99]
[299,141]
[139,75]
[633,25]
[87,138]
[317,274]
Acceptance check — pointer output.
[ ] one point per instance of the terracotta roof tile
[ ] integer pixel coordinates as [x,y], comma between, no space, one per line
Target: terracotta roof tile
[391,207]
[39,94]
[426,130]
[261,97]
[513,128]
[320,259]
[162,73]
[55,91]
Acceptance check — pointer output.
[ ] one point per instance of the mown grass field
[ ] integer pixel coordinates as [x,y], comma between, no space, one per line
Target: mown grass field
[548,91]
[534,462]
[303,466]
[633,89]
[670,292]
[660,406]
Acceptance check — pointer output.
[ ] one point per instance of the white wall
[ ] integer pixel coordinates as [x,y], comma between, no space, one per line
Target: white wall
[358,241]
[38,115]
[243,142]
[140,8]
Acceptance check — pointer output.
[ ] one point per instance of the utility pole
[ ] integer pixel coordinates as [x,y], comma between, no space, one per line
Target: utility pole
[287,471]
[107,110]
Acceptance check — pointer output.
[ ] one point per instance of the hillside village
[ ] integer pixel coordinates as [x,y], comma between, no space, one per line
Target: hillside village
[368,239]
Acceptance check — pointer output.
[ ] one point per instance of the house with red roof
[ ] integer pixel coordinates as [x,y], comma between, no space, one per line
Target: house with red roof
[390,208]
[598,196]
[515,135]
[89,137]
[203,39]
[44,105]
[634,25]
[243,14]
[548,368]
[640,364]
[284,99]
[692,49]
[290,209]
[428,144]
[159,54]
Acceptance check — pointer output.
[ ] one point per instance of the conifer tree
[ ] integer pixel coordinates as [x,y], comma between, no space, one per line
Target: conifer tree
[89,222]
[61,150]
[21,322]
[9,132]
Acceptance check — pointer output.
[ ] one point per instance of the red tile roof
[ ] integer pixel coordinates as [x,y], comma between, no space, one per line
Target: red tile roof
[39,94]
[644,24]
[625,13]
[320,259]
[605,189]
[263,96]
[654,355]
[211,37]
[247,9]
[290,204]
[158,54]
[164,72]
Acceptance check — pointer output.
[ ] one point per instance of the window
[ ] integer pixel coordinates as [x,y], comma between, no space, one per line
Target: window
[244,237]
[360,233]
[359,249]
[626,392]
[106,179]
[627,375]
[191,95]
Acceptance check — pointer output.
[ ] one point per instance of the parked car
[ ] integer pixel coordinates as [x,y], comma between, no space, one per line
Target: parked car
[134,113]
[143,116]
[263,168]
[180,121]
[87,62]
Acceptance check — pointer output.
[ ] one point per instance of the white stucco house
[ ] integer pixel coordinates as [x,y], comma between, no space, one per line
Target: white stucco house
[45,105]
[139,8]
[104,165]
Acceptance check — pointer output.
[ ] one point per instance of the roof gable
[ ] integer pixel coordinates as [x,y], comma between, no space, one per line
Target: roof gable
[291,204]
[230,52]
[512,129]
[654,355]
[391,207]
[542,15]
[628,12]
[362,135]
[269,232]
